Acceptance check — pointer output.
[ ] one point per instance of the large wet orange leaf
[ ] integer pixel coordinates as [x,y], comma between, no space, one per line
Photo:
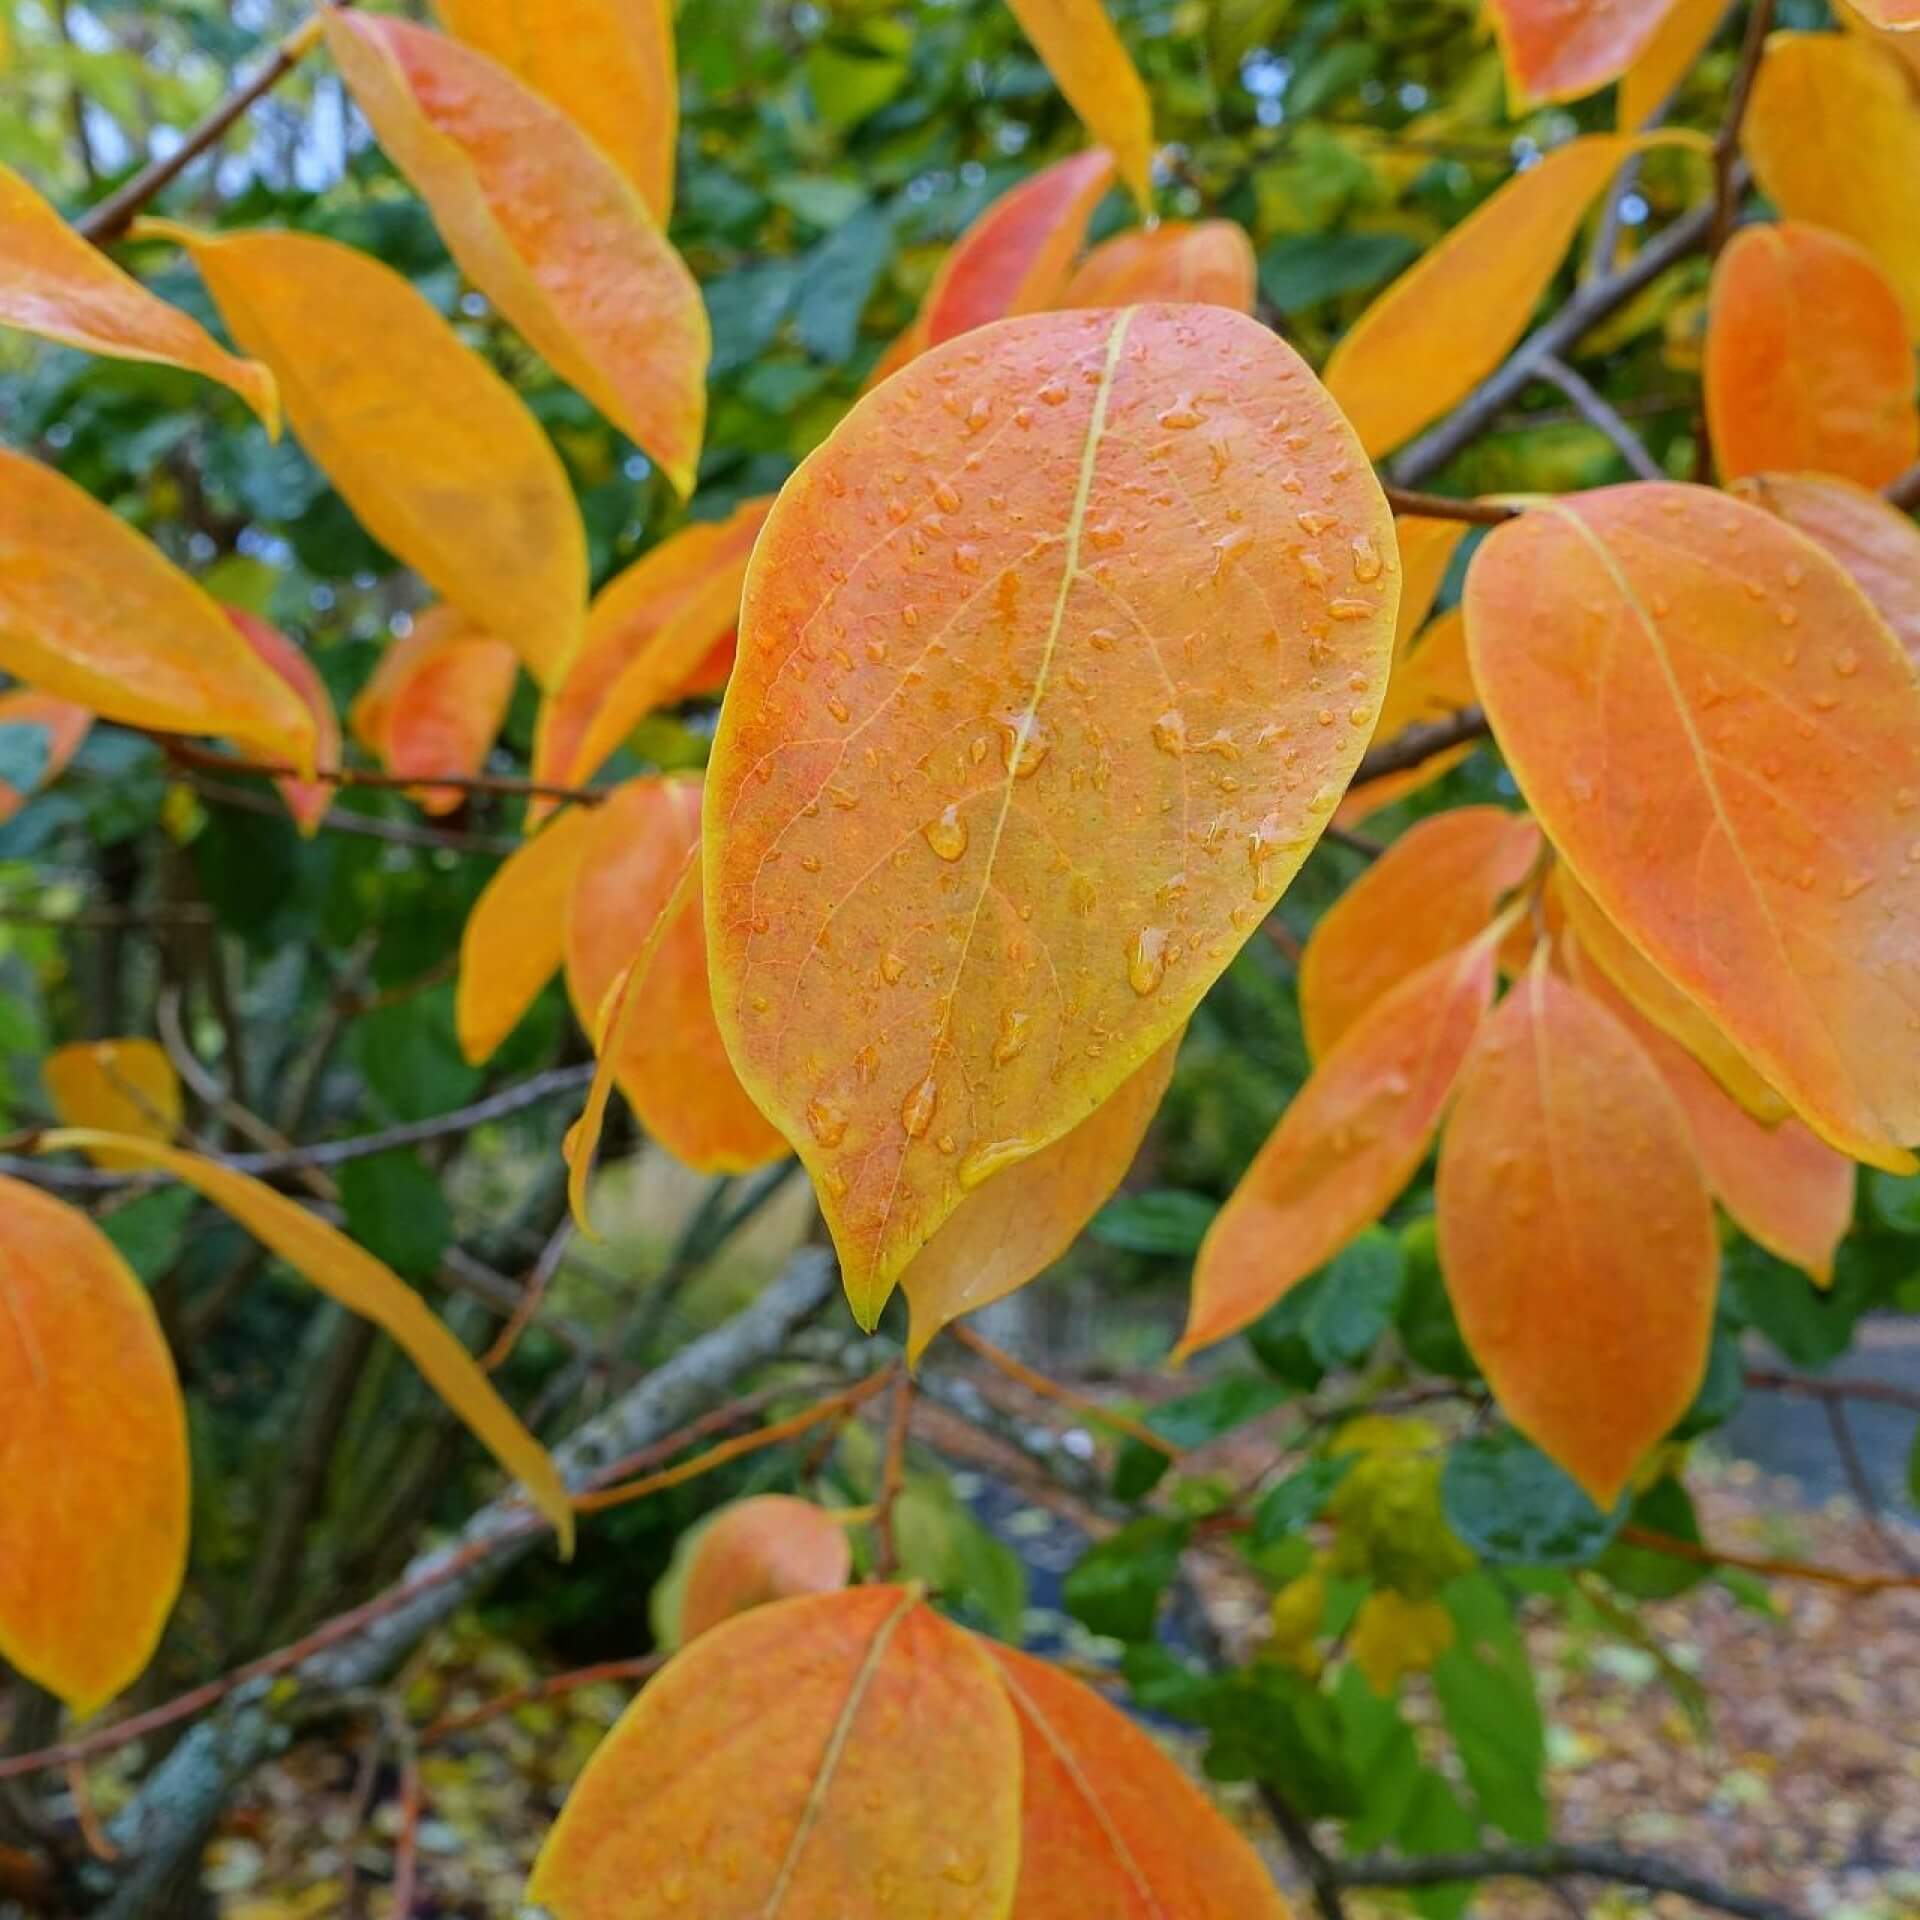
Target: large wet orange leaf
[1018,256]
[670,1061]
[827,1756]
[1790,1191]
[366,1286]
[64,288]
[1109,1826]
[1089,65]
[307,800]
[1208,260]
[1431,681]
[1560,49]
[1874,541]
[607,64]
[1430,892]
[122,1086]
[544,224]
[1808,367]
[93,1455]
[436,703]
[65,726]
[650,630]
[1665,640]
[1353,1137]
[1453,315]
[435,453]
[1010,1229]
[1576,1235]
[515,937]
[92,613]
[771,1547]
[1054,660]
[1666,59]
[1834,140]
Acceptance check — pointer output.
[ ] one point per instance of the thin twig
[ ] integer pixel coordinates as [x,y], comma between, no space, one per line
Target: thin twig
[1726,142]
[1308,1854]
[532,1295]
[1447,506]
[1419,743]
[1705,1556]
[398,833]
[1594,408]
[189,753]
[635,1667]
[1866,1496]
[893,1478]
[1886,1392]
[1035,1382]
[1904,490]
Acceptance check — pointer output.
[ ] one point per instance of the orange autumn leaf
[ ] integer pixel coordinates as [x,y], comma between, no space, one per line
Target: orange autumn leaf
[1353,1137]
[93,1532]
[1208,260]
[1017,1224]
[1808,368]
[1789,1191]
[1901,43]
[1109,1825]
[1666,59]
[65,726]
[514,940]
[1588,1311]
[1426,549]
[771,1547]
[64,288]
[1017,257]
[307,800]
[1012,760]
[1431,681]
[1874,541]
[1665,640]
[437,456]
[835,1754]
[121,1086]
[1834,140]
[92,613]
[436,703]
[1896,16]
[1090,66]
[607,64]
[544,224]
[1436,887]
[349,1274]
[1557,51]
[668,1058]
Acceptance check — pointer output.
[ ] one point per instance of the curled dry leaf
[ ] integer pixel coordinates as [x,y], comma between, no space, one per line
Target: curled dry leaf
[766,1770]
[307,800]
[120,1086]
[92,613]
[1554,51]
[364,1285]
[64,288]
[1352,1138]
[1014,758]
[772,1547]
[544,224]
[434,452]
[1431,681]
[1090,66]
[65,727]
[1436,887]
[1016,1226]
[93,1454]
[1666,639]
[1210,261]
[1875,542]
[1666,59]
[1590,1319]
[1808,366]
[607,64]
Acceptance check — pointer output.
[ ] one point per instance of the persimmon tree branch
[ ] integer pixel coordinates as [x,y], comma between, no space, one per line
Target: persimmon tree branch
[1726,143]
[1594,408]
[1447,506]
[1413,745]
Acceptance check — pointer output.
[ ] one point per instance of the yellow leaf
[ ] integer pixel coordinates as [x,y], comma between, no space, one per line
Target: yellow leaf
[114,1086]
[767,1548]
[1665,60]
[1090,66]
[1392,1635]
[1209,260]
[364,1285]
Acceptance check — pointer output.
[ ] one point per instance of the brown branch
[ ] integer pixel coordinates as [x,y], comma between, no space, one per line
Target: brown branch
[1413,745]
[511,786]
[1048,1389]
[893,1477]
[1886,1392]
[636,1667]
[1904,490]
[399,833]
[531,1296]
[1726,143]
[1597,411]
[1446,506]
[1705,1556]
[1866,1496]
[1322,1872]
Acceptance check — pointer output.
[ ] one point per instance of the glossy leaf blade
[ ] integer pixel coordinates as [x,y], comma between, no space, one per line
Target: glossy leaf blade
[1664,639]
[307,800]
[607,64]
[93,1450]
[92,613]
[772,1547]
[1556,51]
[1436,887]
[364,1285]
[762,1772]
[1834,141]
[1109,1824]
[1018,1223]
[1012,759]
[1210,261]
[119,1086]
[1589,1317]
[1353,1137]
[1077,41]
[544,224]
[64,288]
[435,453]
[1808,366]
[63,725]
[1667,58]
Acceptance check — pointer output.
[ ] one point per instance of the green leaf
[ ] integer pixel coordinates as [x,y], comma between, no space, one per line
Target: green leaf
[1192,1421]
[397,1211]
[1166,1220]
[837,283]
[1666,1507]
[1116,1587]
[821,200]
[1811,1328]
[24,750]
[1300,1498]
[150,1231]
[1895,1199]
[1305,268]
[1913,1468]
[1437,1822]
[1279,1338]
[1484,1683]
[1272,1724]
[1723,1388]
[745,310]
[943,1544]
[1381,1756]
[1427,1324]
[1509,1502]
[410,1058]
[1355,1301]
